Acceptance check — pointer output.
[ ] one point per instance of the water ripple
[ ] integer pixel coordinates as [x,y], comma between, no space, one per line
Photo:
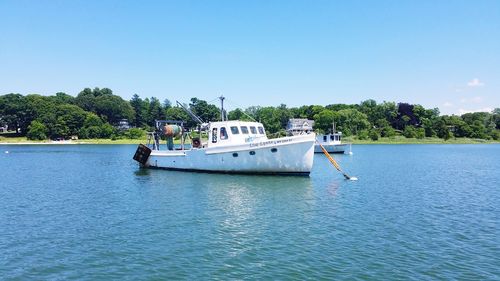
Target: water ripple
[87,212]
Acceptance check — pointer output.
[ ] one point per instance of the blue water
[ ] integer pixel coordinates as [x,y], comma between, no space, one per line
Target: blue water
[418,212]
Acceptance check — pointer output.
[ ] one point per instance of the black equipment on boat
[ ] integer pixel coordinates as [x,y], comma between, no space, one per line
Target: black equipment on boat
[142,154]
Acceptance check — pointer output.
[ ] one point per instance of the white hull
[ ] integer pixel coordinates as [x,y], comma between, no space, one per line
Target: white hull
[292,155]
[331,148]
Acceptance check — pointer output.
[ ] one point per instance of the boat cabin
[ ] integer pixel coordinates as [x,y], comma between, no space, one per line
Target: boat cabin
[330,138]
[234,132]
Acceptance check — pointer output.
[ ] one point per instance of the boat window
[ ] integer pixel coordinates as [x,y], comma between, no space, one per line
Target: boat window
[235,154]
[332,137]
[214,135]
[324,138]
[253,130]
[223,133]
[244,130]
[338,138]
[235,130]
[252,152]
[261,130]
[273,150]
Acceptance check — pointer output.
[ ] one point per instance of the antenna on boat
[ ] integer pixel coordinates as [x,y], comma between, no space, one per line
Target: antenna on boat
[222,108]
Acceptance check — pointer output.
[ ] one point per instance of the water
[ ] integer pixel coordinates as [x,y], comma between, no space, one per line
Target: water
[417,212]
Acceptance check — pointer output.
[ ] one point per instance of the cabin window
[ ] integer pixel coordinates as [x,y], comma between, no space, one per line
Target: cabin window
[332,137]
[252,152]
[274,150]
[253,130]
[234,130]
[223,133]
[324,138]
[261,130]
[214,135]
[244,130]
[235,154]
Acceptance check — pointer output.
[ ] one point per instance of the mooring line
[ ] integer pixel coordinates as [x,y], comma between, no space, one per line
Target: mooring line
[334,163]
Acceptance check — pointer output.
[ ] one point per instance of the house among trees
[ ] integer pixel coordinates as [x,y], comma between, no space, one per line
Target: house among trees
[3,126]
[297,126]
[123,125]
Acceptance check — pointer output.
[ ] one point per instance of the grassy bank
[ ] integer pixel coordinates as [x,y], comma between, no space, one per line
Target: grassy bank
[403,140]
[24,140]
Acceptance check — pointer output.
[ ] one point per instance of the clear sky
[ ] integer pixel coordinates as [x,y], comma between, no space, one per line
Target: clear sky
[442,54]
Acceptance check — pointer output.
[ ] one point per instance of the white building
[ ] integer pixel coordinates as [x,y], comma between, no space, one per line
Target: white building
[297,126]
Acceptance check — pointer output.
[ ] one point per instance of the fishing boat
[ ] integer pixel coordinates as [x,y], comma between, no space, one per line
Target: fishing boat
[331,142]
[233,146]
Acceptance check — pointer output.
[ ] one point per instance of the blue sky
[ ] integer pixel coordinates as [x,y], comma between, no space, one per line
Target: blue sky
[442,54]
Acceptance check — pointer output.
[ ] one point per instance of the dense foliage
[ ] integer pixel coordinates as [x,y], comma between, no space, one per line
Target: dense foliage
[96,113]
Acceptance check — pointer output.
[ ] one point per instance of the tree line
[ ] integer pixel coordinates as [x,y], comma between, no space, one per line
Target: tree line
[96,113]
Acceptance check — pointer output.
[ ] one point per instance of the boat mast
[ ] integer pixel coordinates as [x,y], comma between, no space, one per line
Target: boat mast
[222,108]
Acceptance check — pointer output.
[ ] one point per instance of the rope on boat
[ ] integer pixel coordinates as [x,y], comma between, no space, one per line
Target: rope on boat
[334,163]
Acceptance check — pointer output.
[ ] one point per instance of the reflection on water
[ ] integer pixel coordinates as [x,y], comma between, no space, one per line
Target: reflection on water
[141,172]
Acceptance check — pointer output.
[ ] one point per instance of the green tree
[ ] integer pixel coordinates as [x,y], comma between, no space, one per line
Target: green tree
[113,108]
[155,111]
[442,130]
[374,135]
[207,112]
[387,131]
[102,102]
[420,133]
[410,132]
[140,111]
[270,118]
[238,114]
[135,133]
[308,111]
[13,111]
[496,117]
[324,120]
[350,121]
[363,134]
[72,116]
[62,98]
[37,131]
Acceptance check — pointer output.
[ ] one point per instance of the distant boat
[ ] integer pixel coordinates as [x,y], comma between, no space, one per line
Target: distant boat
[232,147]
[331,142]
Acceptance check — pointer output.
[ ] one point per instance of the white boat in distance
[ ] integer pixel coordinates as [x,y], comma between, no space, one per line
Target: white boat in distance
[232,147]
[331,142]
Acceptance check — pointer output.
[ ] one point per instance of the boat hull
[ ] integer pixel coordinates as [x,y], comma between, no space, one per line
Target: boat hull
[283,156]
[331,148]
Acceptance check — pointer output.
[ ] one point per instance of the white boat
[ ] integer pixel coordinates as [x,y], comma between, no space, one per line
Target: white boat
[232,147]
[331,142]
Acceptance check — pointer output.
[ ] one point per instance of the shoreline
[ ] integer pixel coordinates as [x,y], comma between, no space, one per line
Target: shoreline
[382,141]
